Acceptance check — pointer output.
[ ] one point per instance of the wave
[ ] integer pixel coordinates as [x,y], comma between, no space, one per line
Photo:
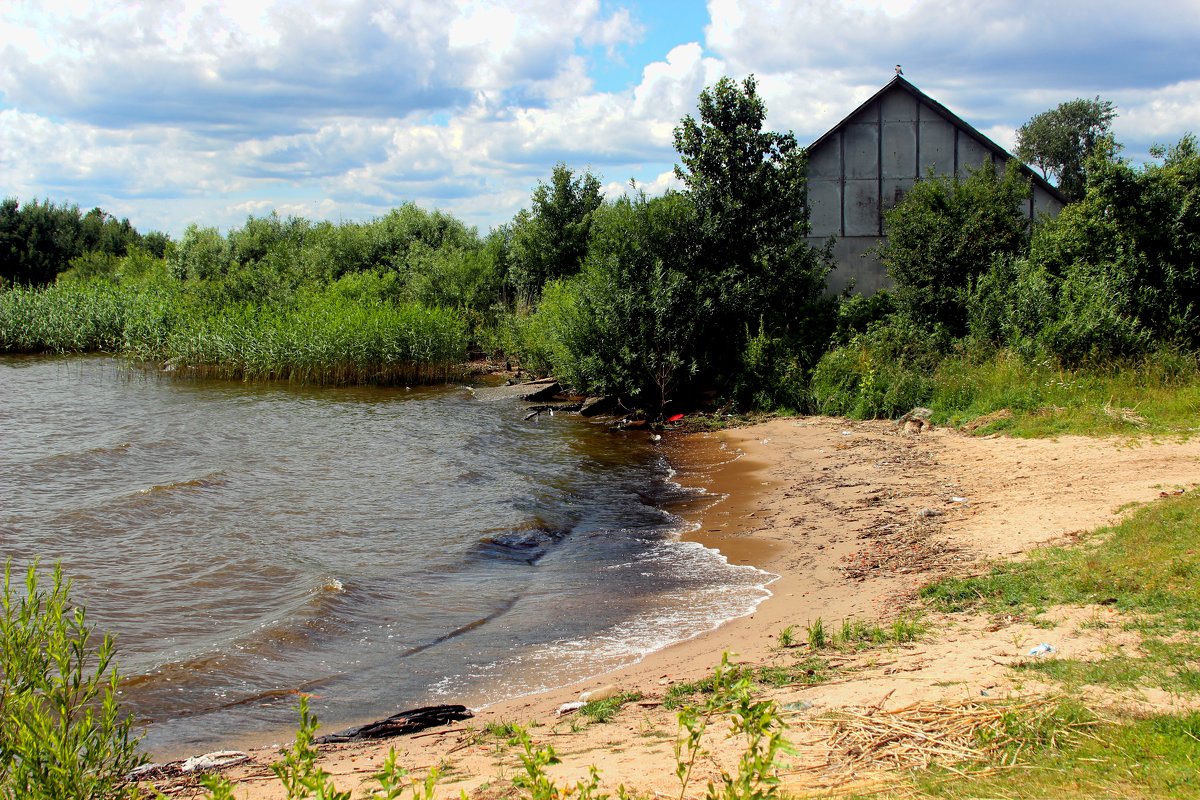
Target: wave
[211,480]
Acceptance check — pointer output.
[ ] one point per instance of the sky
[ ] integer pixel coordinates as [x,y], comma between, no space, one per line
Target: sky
[172,112]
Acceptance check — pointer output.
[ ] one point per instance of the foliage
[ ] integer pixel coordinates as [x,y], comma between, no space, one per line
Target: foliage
[39,239]
[605,710]
[1060,141]
[1134,239]
[756,721]
[884,372]
[322,337]
[753,269]
[628,324]
[538,785]
[945,233]
[62,734]
[301,778]
[551,240]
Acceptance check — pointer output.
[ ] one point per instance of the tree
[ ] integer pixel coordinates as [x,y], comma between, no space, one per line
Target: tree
[1059,141]
[551,240]
[749,186]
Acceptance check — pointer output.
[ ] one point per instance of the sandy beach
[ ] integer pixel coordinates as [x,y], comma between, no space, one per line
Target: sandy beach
[853,517]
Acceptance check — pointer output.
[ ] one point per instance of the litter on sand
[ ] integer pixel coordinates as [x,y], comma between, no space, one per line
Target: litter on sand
[1041,650]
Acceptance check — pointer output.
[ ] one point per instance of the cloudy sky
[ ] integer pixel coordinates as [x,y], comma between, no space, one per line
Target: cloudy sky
[178,111]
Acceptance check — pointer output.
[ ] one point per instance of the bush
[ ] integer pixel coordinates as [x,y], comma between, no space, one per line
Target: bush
[882,373]
[945,233]
[62,734]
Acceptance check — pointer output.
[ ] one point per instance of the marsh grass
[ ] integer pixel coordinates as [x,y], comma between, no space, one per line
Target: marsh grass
[320,337]
[1150,757]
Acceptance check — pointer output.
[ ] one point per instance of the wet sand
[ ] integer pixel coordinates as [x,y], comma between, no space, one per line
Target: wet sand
[853,517]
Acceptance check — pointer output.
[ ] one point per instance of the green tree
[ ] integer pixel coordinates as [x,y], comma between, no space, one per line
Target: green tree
[551,240]
[754,266]
[945,233]
[1060,141]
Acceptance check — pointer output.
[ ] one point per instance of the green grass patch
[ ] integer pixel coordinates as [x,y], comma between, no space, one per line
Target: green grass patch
[807,671]
[604,710]
[1159,394]
[1144,758]
[1148,565]
[320,336]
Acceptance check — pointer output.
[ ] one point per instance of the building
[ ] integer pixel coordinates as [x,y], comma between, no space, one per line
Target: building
[865,164]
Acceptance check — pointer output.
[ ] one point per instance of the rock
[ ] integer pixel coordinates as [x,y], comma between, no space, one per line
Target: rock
[541,390]
[595,406]
[916,421]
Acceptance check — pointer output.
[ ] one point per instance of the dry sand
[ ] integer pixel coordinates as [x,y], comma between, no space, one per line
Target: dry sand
[853,517]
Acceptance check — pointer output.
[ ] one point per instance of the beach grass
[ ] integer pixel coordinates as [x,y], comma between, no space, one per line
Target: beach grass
[1146,570]
[1157,394]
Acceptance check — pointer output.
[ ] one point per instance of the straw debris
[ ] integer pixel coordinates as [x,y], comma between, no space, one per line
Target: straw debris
[989,734]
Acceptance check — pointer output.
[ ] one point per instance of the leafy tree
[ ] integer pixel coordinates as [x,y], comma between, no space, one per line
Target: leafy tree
[551,240]
[754,266]
[1135,236]
[945,233]
[1059,141]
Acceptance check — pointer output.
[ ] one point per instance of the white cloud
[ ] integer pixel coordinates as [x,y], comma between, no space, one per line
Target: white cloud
[180,110]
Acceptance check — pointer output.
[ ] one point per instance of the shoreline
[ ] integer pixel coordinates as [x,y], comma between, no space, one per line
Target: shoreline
[853,517]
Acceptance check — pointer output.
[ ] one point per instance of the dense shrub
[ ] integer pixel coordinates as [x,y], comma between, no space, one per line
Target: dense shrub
[945,233]
[884,372]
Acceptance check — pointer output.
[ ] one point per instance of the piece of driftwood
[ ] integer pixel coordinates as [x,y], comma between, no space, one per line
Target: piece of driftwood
[411,721]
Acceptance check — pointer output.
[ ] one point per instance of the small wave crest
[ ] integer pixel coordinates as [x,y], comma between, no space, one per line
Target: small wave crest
[209,481]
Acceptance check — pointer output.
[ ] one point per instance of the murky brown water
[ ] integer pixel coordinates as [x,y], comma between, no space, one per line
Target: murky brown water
[376,548]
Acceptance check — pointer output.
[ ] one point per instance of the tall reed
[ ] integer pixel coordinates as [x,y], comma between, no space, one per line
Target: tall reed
[319,337]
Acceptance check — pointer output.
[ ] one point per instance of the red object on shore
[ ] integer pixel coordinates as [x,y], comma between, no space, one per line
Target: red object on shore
[675,418]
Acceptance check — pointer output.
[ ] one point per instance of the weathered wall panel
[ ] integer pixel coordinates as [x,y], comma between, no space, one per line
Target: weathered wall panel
[1044,204]
[899,150]
[894,190]
[971,154]
[937,144]
[826,161]
[862,208]
[857,265]
[866,165]
[825,204]
[862,151]
[899,107]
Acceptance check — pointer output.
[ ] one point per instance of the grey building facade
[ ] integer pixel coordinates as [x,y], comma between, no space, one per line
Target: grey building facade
[866,163]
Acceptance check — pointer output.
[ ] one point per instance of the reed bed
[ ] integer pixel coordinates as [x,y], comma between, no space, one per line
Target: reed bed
[319,337]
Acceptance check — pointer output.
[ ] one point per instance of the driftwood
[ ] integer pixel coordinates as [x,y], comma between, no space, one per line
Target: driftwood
[411,721]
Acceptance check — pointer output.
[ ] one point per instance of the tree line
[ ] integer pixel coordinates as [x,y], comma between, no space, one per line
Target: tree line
[709,294]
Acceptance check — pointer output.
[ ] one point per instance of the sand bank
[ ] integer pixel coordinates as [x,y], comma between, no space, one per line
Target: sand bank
[853,517]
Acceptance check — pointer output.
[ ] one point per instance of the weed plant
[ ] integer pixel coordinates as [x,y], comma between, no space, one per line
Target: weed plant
[1148,757]
[62,734]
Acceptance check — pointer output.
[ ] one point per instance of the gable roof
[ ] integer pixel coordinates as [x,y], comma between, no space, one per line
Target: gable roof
[899,83]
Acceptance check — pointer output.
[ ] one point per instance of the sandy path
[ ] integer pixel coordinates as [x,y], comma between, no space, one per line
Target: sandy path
[853,517]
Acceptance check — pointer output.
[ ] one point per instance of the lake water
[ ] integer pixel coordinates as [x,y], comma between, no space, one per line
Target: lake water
[377,549]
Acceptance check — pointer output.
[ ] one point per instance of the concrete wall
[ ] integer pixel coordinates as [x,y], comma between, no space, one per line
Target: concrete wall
[867,165]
